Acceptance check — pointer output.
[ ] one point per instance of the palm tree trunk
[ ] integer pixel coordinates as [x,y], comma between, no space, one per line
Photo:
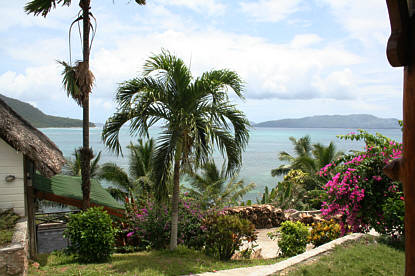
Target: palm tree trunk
[86,153]
[175,204]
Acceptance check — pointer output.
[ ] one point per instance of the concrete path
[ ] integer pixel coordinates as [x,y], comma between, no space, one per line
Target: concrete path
[274,268]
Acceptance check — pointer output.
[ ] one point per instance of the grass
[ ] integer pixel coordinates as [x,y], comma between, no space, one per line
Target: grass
[8,221]
[183,261]
[368,256]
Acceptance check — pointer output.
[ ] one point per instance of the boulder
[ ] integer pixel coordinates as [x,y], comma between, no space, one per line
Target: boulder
[262,216]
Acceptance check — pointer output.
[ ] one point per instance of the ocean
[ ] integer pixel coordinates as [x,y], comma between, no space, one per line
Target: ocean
[259,158]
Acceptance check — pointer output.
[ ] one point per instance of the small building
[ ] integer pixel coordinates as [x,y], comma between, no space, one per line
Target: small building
[23,149]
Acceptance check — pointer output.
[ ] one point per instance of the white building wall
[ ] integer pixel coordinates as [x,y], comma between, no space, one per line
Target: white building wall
[11,193]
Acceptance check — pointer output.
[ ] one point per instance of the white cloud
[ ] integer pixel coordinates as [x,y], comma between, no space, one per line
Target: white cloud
[366,20]
[270,10]
[211,7]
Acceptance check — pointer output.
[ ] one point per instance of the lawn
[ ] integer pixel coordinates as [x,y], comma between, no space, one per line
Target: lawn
[368,256]
[180,262]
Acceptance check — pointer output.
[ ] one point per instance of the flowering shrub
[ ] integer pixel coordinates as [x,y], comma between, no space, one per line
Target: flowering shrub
[293,238]
[323,232]
[359,191]
[148,226]
[224,234]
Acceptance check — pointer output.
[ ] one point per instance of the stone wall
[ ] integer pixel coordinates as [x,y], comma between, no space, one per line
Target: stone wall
[13,258]
[269,216]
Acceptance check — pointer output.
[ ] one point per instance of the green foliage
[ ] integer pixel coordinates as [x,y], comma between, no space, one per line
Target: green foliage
[323,232]
[91,235]
[8,220]
[73,166]
[138,183]
[224,234]
[213,188]
[293,238]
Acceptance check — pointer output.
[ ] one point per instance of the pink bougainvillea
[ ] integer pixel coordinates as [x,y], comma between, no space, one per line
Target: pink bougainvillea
[358,188]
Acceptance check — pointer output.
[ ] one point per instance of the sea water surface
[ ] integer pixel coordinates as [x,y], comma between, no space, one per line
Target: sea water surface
[259,158]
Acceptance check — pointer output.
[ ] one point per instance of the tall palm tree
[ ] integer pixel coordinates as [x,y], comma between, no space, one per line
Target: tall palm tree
[195,114]
[78,80]
[212,187]
[140,179]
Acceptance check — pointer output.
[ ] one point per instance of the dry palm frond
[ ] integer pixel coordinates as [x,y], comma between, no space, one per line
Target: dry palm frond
[77,80]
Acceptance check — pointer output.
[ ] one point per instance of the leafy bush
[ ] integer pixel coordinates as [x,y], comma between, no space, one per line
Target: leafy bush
[224,234]
[91,235]
[323,232]
[149,226]
[360,193]
[293,238]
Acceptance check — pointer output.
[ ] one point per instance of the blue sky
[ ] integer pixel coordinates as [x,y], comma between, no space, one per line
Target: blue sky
[297,57]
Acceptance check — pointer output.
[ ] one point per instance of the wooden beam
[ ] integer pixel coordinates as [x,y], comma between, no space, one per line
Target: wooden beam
[397,48]
[75,202]
[28,169]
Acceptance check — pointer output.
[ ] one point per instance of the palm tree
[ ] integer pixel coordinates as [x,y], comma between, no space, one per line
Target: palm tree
[74,168]
[78,80]
[212,187]
[195,115]
[309,159]
[140,179]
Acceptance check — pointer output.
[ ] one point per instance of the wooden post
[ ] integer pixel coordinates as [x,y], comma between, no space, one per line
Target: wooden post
[401,52]
[30,206]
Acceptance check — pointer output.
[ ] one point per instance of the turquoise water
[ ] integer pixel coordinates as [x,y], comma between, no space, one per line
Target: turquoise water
[259,158]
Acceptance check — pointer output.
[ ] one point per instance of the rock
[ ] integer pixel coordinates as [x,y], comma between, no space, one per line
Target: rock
[262,216]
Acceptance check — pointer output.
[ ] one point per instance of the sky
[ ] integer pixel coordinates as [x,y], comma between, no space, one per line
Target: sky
[297,57]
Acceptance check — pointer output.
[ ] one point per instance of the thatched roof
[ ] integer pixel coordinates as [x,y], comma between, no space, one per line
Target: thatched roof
[22,136]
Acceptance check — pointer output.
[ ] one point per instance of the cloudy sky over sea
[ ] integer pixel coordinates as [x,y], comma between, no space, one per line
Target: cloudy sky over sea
[297,57]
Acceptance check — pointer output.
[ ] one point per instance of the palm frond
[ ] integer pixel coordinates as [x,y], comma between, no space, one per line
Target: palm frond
[43,7]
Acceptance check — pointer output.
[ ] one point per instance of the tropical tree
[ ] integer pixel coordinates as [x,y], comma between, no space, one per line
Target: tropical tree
[309,158]
[213,188]
[195,114]
[78,79]
[139,181]
[73,166]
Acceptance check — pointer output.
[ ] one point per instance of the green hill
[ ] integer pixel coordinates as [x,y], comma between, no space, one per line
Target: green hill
[355,121]
[39,119]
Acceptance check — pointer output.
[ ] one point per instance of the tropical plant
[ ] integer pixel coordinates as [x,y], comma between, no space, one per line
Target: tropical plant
[309,159]
[195,114]
[139,181]
[292,238]
[213,188]
[224,234]
[73,166]
[78,79]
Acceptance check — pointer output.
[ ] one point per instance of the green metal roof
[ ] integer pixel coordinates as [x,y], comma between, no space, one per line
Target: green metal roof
[70,187]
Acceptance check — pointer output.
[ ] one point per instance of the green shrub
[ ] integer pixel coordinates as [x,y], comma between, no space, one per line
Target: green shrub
[91,235]
[293,238]
[224,234]
[323,232]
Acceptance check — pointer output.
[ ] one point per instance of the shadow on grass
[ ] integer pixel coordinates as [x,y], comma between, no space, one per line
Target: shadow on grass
[397,243]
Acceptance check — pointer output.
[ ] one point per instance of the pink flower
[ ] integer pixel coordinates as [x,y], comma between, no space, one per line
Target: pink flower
[130,234]
[402,198]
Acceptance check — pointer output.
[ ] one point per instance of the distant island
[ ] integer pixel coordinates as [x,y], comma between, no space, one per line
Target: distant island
[355,121]
[39,119]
